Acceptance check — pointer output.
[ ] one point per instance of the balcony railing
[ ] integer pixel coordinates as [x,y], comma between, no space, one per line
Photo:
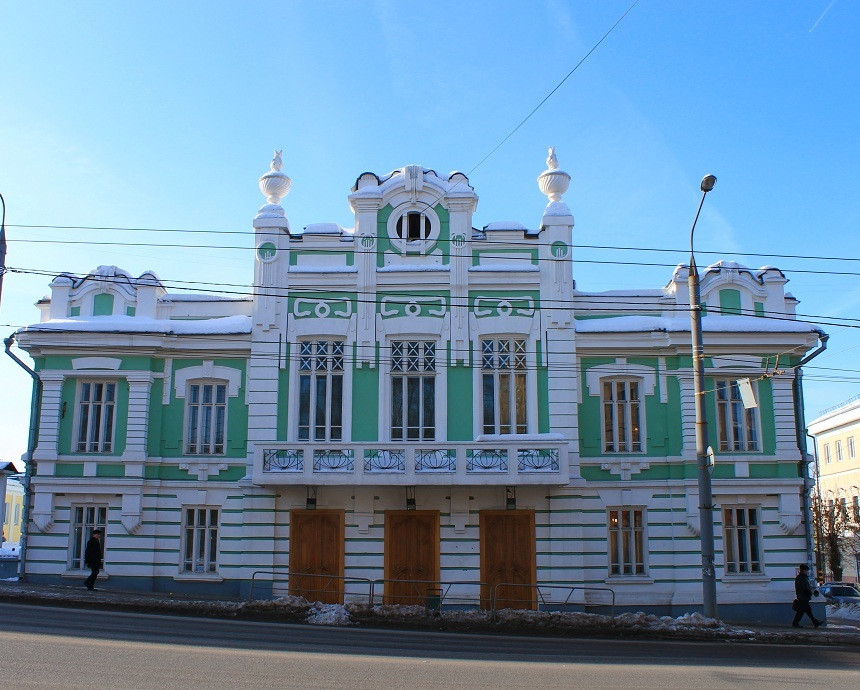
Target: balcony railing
[503,462]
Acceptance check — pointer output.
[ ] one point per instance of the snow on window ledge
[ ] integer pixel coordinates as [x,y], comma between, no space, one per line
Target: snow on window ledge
[198,577]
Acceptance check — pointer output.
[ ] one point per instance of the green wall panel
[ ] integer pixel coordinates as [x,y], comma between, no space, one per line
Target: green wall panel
[663,433]
[167,472]
[232,474]
[67,433]
[382,242]
[283,400]
[460,404]
[730,302]
[103,304]
[166,438]
[110,470]
[365,402]
[69,469]
[768,418]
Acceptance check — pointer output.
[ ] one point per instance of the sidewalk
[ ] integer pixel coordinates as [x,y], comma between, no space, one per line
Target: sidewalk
[297,610]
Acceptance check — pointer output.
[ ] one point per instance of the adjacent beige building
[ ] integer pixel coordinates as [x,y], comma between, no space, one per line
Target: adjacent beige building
[837,438]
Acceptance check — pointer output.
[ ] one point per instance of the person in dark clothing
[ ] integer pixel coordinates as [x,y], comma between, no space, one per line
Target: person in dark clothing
[93,558]
[804,592]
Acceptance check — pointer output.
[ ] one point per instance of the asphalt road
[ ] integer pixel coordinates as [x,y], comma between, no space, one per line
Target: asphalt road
[68,648]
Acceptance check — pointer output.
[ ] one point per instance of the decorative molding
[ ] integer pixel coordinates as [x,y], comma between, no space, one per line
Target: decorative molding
[203,470]
[132,513]
[168,376]
[43,511]
[233,377]
[515,305]
[790,515]
[322,308]
[620,369]
[625,468]
[413,307]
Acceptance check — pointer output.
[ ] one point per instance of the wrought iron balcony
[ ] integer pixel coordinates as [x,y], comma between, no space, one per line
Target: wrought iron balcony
[501,461]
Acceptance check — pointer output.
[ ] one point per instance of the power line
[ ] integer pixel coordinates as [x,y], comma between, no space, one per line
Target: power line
[500,257]
[544,304]
[484,240]
[557,87]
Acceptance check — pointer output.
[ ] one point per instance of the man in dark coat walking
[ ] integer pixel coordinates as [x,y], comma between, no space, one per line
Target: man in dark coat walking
[803,590]
[93,558]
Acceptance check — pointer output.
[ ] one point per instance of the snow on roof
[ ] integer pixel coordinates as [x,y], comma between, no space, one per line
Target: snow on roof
[710,324]
[505,225]
[142,324]
[621,293]
[323,229]
[323,269]
[420,268]
[205,298]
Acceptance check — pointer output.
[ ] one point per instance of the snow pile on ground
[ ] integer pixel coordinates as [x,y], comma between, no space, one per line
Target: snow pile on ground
[844,611]
[289,602]
[652,622]
[328,614]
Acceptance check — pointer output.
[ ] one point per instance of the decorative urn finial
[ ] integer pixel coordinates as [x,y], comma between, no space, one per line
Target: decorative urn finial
[552,181]
[275,185]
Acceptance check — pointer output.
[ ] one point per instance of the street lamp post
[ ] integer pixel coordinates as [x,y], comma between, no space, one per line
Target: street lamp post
[703,459]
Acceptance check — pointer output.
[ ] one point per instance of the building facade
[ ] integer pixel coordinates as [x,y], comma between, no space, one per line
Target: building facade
[420,403]
[837,432]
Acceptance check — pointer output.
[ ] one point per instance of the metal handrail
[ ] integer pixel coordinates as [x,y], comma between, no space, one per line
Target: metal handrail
[538,587]
[345,579]
[443,585]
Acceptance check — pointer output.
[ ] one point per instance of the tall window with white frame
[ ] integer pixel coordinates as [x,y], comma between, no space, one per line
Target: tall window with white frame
[504,385]
[742,540]
[200,540]
[85,518]
[839,451]
[321,390]
[96,416]
[826,453]
[206,423]
[851,447]
[626,542]
[413,390]
[622,409]
[736,426]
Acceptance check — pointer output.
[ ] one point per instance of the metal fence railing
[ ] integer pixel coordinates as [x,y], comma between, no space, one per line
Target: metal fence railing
[429,593]
[432,594]
[323,587]
[537,595]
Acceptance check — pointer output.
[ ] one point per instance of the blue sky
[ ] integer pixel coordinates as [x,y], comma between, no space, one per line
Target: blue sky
[164,114]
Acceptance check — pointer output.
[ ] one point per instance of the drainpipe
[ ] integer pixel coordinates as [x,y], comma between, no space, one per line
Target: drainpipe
[801,433]
[29,464]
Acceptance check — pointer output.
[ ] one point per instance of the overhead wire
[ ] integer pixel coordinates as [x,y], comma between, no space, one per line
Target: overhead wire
[371,297]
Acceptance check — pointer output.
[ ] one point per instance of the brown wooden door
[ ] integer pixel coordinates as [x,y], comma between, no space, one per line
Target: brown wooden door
[316,555]
[508,558]
[411,553]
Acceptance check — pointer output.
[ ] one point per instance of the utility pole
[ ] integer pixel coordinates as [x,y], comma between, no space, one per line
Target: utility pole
[704,459]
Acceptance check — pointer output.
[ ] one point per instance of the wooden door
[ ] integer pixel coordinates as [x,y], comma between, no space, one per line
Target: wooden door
[508,558]
[316,555]
[411,555]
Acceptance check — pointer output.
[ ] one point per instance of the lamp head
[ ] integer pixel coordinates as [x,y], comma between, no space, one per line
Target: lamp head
[708,182]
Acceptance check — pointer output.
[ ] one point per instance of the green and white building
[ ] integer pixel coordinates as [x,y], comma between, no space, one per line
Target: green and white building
[417,401]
